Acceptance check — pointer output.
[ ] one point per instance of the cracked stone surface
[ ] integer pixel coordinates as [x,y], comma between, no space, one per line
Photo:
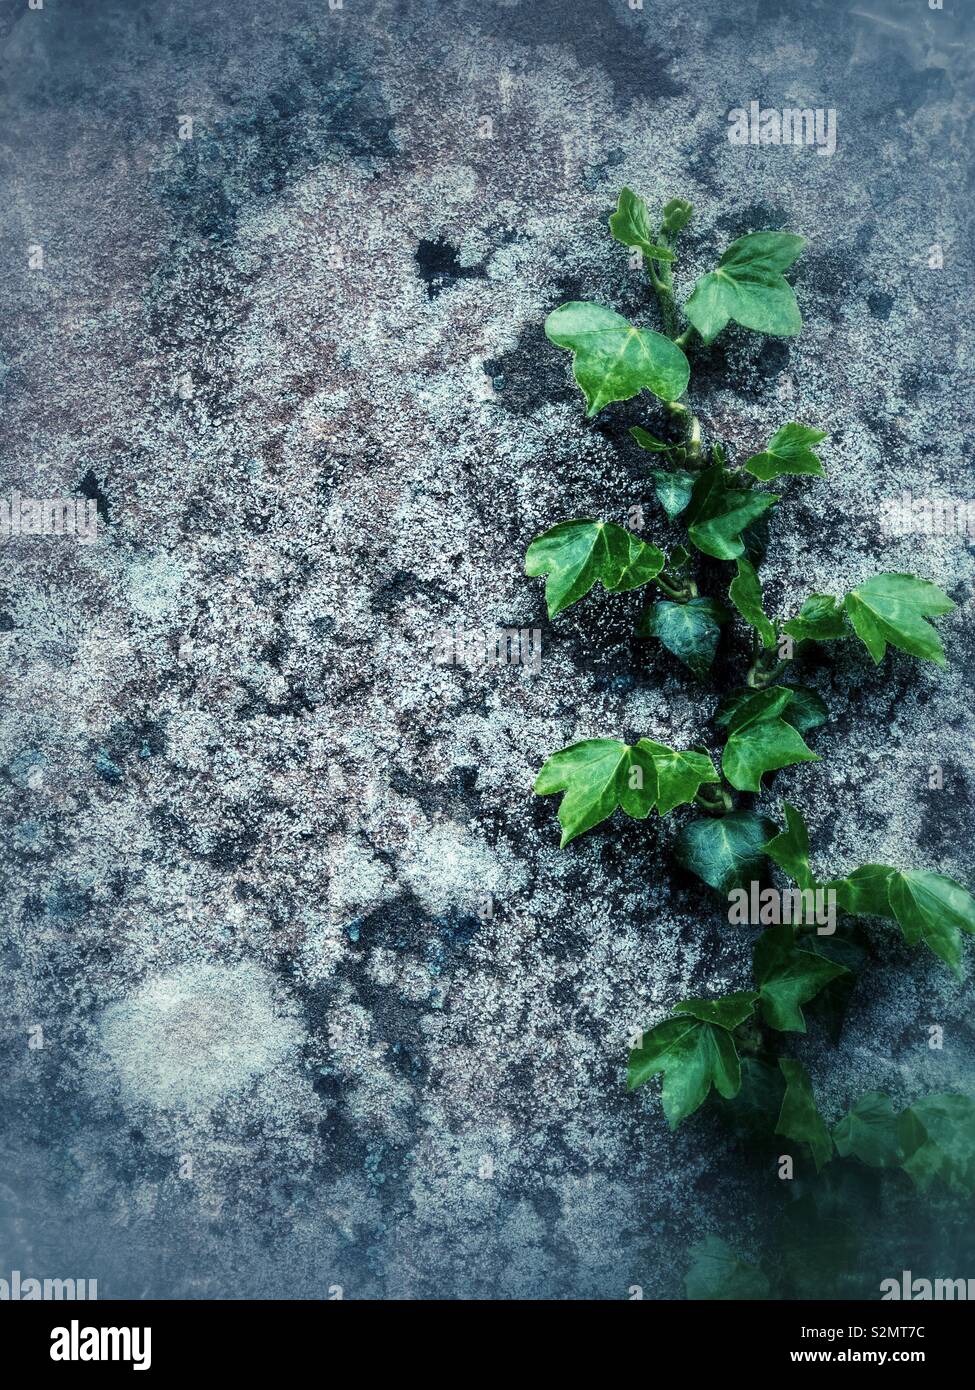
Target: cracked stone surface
[277,889]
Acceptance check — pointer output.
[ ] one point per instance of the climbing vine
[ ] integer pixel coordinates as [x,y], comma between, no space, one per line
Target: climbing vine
[736,1048]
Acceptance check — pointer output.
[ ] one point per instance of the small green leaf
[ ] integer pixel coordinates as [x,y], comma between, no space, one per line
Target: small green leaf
[717,1272]
[745,593]
[613,360]
[748,286]
[718,513]
[755,1110]
[872,1132]
[679,775]
[648,441]
[799,1117]
[788,451]
[575,554]
[630,224]
[864,892]
[790,848]
[820,619]
[726,1012]
[727,851]
[692,1056]
[673,489]
[932,908]
[676,215]
[947,1150]
[760,741]
[598,775]
[832,1003]
[788,977]
[689,630]
[893,608]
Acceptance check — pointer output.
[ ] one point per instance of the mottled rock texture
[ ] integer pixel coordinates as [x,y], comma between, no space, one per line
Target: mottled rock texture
[250,825]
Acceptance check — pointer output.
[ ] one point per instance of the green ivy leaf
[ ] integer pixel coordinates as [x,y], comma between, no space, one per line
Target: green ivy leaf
[648,441]
[788,451]
[864,892]
[946,1143]
[690,630]
[893,608]
[727,851]
[575,554]
[673,489]
[754,1112]
[717,1272]
[788,977]
[790,848]
[932,908]
[820,619]
[760,741]
[727,1012]
[872,1132]
[677,213]
[679,775]
[832,1003]
[799,1117]
[749,287]
[598,775]
[805,710]
[718,513]
[692,1056]
[745,593]
[612,360]
[630,224]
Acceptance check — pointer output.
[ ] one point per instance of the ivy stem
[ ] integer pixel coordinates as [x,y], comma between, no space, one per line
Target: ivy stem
[678,590]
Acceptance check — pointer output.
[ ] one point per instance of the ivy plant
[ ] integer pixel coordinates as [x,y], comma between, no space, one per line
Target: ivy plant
[736,1049]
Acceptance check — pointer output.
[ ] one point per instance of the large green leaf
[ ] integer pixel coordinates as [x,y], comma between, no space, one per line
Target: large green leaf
[692,1055]
[788,977]
[717,1272]
[893,608]
[601,775]
[799,1117]
[630,224]
[613,360]
[820,619]
[946,1152]
[760,740]
[680,775]
[932,908]
[726,851]
[575,554]
[727,1012]
[748,286]
[788,451]
[872,1132]
[718,513]
[690,630]
[790,848]
[745,592]
[597,776]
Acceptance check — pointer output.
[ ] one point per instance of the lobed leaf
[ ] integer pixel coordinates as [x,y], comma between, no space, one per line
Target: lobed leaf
[799,1117]
[745,592]
[576,554]
[749,287]
[690,630]
[788,451]
[790,848]
[612,360]
[893,608]
[717,1272]
[760,740]
[727,851]
[788,977]
[693,1056]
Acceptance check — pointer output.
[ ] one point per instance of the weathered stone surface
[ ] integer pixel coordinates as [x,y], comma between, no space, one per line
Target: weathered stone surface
[298,362]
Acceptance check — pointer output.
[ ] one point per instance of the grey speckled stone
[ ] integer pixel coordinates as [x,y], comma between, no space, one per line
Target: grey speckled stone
[298,362]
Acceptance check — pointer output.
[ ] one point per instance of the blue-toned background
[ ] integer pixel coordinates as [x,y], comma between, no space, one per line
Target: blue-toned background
[298,362]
